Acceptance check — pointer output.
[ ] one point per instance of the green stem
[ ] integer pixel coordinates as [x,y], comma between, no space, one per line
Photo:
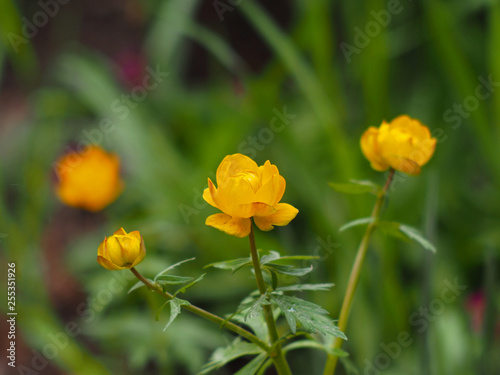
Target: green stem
[207,315]
[331,362]
[277,356]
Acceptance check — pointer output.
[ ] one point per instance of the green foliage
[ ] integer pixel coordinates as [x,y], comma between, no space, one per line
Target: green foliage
[175,309]
[426,62]
[398,230]
[312,318]
[355,223]
[233,265]
[224,355]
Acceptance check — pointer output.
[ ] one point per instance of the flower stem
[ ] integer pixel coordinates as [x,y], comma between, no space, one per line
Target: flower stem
[277,356]
[331,362]
[207,315]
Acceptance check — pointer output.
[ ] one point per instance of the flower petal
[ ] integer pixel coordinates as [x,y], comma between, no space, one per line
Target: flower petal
[283,215]
[271,191]
[235,193]
[370,148]
[267,171]
[208,193]
[404,165]
[233,164]
[234,226]
[120,232]
[108,264]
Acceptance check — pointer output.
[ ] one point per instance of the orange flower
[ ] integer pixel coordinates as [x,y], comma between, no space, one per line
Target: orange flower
[404,144]
[246,190]
[121,251]
[90,179]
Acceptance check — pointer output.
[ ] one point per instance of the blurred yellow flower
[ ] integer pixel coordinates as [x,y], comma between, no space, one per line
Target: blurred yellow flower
[246,190]
[404,144]
[89,179]
[121,251]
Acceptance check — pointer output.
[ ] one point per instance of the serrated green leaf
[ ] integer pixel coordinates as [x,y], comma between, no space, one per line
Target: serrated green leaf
[355,223]
[298,287]
[236,349]
[254,308]
[173,279]
[175,310]
[415,234]
[356,187]
[172,267]
[186,287]
[233,265]
[138,285]
[288,270]
[253,366]
[311,316]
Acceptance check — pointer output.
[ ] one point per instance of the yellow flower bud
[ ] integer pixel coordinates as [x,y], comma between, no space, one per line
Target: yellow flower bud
[121,251]
[404,144]
[89,179]
[246,190]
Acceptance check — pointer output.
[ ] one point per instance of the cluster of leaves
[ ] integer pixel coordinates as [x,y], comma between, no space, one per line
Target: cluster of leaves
[303,317]
[391,228]
[163,280]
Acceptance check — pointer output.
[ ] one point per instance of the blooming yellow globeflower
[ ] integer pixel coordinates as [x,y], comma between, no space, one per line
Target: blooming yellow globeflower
[403,144]
[121,251]
[246,190]
[89,179]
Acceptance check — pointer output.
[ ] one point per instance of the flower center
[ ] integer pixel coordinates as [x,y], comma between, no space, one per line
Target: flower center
[250,177]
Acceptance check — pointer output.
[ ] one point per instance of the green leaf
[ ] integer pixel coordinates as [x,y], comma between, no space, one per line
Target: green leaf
[415,234]
[157,317]
[254,307]
[173,279]
[273,255]
[356,187]
[186,287]
[236,349]
[355,223]
[175,309]
[172,267]
[288,270]
[253,366]
[138,285]
[233,265]
[257,325]
[299,287]
[391,228]
[311,316]
[299,257]
[315,345]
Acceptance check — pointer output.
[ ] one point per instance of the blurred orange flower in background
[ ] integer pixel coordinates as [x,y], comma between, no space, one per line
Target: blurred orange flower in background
[403,144]
[246,190]
[89,179]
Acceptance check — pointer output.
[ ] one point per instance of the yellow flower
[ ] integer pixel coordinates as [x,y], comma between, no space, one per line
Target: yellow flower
[404,144]
[121,251]
[89,179]
[246,190]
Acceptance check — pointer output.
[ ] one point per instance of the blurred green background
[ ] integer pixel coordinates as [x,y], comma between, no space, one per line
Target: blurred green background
[295,82]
